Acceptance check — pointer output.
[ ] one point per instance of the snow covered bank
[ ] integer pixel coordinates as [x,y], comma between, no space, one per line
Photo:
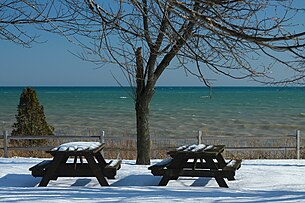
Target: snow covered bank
[256,181]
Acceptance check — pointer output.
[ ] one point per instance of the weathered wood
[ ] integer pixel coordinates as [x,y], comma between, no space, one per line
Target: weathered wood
[31,148]
[230,168]
[298,140]
[156,142]
[217,149]
[221,161]
[195,164]
[100,159]
[64,170]
[50,172]
[233,165]
[96,170]
[5,143]
[259,148]
[161,164]
[165,179]
[39,169]
[76,152]
[115,164]
[96,165]
[72,170]
[111,169]
[52,137]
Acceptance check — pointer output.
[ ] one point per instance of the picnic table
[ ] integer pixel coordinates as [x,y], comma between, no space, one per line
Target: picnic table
[196,161]
[93,166]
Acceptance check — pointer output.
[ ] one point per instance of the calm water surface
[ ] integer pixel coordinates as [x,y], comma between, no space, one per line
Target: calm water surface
[175,111]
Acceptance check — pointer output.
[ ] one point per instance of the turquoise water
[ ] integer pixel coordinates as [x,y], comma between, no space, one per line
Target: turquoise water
[175,111]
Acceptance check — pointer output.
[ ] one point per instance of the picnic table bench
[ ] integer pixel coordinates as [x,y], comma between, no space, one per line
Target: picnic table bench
[196,161]
[60,166]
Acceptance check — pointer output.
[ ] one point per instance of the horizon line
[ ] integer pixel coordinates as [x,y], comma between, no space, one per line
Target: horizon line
[158,86]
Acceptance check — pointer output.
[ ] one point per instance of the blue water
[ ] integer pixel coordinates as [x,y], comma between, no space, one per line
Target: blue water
[175,111]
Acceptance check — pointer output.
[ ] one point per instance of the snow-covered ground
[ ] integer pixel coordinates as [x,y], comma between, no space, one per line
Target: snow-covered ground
[256,181]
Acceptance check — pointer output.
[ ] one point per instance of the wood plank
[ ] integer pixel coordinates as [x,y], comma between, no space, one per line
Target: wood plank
[52,137]
[42,165]
[111,169]
[50,172]
[189,154]
[161,164]
[96,170]
[100,159]
[164,181]
[39,169]
[233,165]
[77,153]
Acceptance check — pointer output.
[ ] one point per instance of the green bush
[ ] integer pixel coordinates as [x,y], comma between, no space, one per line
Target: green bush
[30,119]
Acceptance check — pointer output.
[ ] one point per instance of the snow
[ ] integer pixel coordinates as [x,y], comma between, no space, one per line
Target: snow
[195,148]
[77,146]
[231,163]
[256,181]
[115,162]
[199,147]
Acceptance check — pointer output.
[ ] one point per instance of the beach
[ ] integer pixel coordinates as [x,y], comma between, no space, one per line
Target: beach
[174,111]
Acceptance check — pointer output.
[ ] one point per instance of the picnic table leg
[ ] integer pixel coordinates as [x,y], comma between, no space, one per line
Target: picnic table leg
[51,170]
[221,161]
[164,180]
[231,177]
[177,165]
[100,159]
[218,176]
[221,181]
[96,170]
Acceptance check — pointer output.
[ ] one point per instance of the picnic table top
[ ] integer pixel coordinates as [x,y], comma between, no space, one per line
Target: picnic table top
[197,150]
[77,148]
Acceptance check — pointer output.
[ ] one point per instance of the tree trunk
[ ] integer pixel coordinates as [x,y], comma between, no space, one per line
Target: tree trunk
[143,136]
[144,94]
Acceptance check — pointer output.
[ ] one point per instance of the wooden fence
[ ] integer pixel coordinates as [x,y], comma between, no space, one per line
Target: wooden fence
[55,140]
[289,146]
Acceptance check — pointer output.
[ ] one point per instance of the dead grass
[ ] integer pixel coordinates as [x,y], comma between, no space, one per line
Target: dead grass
[126,148]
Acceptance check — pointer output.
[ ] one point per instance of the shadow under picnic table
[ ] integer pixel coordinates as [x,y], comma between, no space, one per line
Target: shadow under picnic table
[18,180]
[137,180]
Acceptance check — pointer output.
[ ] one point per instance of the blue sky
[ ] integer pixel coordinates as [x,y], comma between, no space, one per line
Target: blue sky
[51,64]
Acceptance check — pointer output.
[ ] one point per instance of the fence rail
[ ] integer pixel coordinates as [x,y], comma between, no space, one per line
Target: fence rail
[289,143]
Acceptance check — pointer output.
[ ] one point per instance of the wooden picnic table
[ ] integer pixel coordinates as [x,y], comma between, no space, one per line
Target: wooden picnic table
[196,161]
[93,166]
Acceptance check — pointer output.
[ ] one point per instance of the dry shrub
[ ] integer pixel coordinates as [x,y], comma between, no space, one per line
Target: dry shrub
[126,148]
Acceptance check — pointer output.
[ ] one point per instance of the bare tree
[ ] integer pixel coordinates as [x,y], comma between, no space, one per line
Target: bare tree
[236,38]
[18,18]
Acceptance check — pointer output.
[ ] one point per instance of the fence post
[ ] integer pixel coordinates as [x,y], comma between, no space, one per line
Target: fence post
[102,139]
[298,143]
[199,137]
[5,143]
[102,136]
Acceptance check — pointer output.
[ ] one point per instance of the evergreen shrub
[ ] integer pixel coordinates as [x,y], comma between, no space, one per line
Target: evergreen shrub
[30,118]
